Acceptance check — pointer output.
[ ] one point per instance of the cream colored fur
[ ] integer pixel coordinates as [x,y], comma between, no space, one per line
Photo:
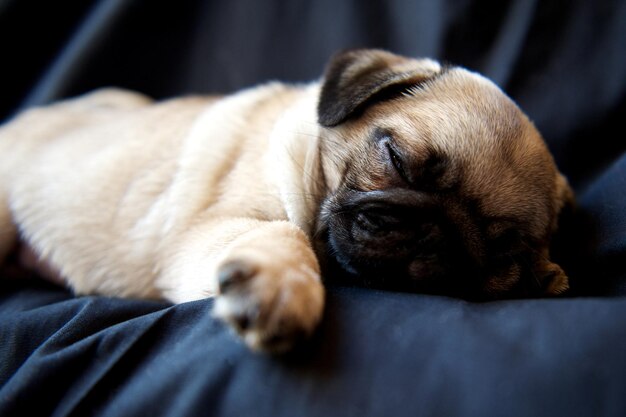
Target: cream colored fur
[129,198]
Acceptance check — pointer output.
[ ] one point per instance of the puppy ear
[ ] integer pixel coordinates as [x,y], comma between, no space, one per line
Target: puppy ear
[565,200]
[550,276]
[552,279]
[354,77]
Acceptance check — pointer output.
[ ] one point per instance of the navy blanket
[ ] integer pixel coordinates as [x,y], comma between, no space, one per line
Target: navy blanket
[377,353]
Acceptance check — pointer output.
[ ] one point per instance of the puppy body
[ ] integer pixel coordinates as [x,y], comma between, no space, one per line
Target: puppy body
[129,198]
[197,197]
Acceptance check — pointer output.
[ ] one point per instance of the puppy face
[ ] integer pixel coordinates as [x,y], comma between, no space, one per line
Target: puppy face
[439,182]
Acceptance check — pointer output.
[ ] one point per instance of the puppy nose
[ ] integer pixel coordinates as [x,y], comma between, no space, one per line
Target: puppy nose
[399,214]
[395,197]
[374,221]
[401,226]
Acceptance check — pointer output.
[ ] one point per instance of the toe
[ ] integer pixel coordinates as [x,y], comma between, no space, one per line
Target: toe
[233,274]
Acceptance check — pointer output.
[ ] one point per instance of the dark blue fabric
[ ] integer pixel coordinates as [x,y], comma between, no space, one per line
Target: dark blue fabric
[377,353]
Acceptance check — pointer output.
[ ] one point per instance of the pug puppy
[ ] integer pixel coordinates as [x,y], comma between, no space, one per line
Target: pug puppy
[400,173]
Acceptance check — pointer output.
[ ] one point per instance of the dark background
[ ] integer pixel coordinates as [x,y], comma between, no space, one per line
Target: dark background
[564,62]
[377,353]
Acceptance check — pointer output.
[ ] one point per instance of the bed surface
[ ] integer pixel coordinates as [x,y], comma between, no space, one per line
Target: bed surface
[377,353]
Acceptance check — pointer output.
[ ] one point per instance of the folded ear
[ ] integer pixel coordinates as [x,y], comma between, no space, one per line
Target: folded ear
[354,77]
[550,276]
[552,279]
[564,195]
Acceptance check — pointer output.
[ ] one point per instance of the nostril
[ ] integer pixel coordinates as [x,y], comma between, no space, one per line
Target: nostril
[367,221]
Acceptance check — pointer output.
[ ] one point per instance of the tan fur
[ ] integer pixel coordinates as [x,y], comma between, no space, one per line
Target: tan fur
[125,197]
[148,199]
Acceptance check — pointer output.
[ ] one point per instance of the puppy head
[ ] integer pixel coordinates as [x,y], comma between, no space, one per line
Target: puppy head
[438,181]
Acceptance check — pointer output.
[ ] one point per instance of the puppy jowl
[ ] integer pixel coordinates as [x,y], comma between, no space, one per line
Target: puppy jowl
[390,171]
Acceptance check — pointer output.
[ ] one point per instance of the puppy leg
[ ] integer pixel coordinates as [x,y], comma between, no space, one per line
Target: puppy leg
[265,277]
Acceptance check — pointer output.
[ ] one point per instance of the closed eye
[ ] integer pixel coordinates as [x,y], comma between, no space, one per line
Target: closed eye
[396,161]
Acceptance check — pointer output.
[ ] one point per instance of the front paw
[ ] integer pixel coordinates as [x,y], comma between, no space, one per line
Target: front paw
[271,306]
